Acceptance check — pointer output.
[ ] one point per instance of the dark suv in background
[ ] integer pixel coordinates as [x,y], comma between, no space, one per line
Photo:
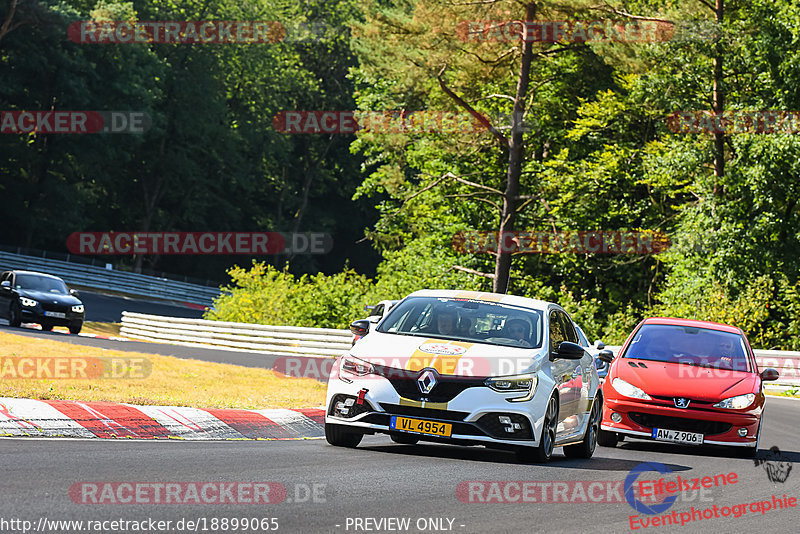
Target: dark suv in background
[29,297]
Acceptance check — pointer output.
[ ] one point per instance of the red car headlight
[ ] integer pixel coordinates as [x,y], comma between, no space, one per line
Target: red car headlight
[629,390]
[740,402]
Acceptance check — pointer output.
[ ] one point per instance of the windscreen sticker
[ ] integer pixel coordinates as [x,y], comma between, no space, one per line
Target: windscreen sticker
[477,295]
[445,349]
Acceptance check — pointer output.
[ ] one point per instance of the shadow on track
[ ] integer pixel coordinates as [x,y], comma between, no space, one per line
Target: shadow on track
[708,451]
[480,454]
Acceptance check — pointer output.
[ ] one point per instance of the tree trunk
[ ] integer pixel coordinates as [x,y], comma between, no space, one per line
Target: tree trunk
[718,103]
[502,268]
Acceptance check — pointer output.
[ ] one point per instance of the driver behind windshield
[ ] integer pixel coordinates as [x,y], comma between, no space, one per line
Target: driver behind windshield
[517,329]
[444,323]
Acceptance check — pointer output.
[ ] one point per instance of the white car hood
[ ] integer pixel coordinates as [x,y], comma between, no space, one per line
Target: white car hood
[449,357]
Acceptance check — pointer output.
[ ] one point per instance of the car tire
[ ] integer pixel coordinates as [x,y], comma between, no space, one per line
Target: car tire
[404,439]
[15,315]
[75,328]
[544,451]
[607,439]
[46,327]
[341,436]
[586,448]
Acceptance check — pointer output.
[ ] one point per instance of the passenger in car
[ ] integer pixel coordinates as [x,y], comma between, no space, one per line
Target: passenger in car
[465,327]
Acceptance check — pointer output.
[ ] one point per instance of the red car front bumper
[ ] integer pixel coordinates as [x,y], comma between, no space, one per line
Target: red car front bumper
[638,418]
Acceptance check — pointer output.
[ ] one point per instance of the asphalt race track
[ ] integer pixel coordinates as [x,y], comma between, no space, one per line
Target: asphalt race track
[382,480]
[108,308]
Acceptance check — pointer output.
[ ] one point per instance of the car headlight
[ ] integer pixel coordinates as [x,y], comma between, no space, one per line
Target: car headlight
[78,308]
[355,366]
[525,384]
[629,390]
[28,303]
[736,403]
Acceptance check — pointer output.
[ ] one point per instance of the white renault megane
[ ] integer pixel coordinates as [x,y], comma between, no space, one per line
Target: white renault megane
[468,368]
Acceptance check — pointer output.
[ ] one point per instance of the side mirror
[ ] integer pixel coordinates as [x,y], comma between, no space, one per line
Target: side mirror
[606,356]
[769,374]
[360,327]
[5,284]
[73,292]
[568,351]
[599,345]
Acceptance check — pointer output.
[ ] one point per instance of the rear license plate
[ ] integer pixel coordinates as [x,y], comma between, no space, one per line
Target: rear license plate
[57,315]
[420,426]
[676,436]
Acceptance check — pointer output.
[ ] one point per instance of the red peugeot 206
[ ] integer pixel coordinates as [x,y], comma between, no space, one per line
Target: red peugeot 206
[684,381]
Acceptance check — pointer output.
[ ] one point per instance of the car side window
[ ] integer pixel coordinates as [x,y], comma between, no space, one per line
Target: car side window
[556,331]
[378,310]
[569,330]
[583,342]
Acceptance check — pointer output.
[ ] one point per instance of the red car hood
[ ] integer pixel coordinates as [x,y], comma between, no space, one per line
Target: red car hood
[661,379]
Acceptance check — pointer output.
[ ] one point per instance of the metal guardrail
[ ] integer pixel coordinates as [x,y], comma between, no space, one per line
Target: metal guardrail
[276,340]
[786,362]
[327,342]
[99,278]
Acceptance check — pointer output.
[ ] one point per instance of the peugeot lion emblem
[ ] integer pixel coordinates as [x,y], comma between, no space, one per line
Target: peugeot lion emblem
[426,381]
[680,402]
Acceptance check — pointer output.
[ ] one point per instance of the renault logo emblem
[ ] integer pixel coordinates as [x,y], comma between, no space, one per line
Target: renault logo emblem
[426,381]
[680,402]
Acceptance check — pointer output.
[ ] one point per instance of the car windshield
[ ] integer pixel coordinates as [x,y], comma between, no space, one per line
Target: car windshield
[465,320]
[689,345]
[44,284]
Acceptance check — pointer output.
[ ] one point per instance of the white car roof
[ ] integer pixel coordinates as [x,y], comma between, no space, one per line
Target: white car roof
[513,300]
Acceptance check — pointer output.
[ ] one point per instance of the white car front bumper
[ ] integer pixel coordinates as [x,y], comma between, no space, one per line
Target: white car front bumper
[474,412]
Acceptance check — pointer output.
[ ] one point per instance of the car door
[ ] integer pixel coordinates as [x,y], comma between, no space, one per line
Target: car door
[562,371]
[577,375]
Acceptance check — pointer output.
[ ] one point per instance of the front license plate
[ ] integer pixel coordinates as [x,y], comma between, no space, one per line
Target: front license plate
[676,436]
[57,315]
[420,426]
